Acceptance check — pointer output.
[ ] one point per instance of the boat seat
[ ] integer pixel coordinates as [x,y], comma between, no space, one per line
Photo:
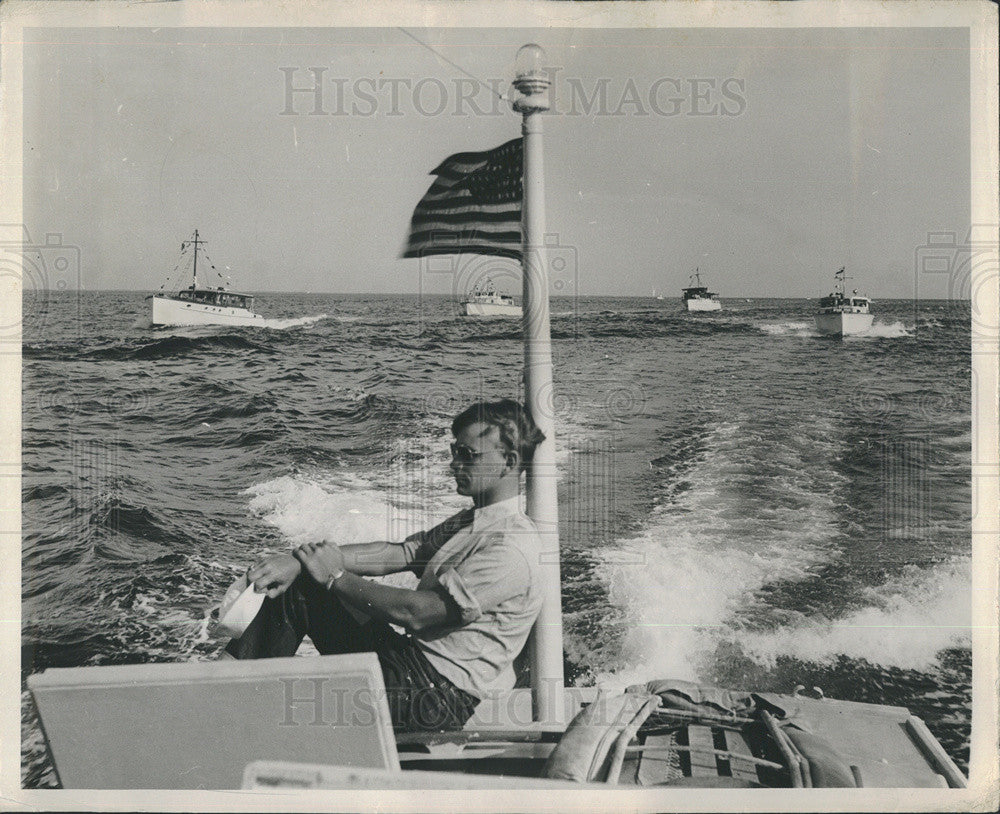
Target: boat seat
[196,725]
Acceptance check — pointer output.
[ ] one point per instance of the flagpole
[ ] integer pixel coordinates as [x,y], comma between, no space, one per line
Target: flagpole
[532,83]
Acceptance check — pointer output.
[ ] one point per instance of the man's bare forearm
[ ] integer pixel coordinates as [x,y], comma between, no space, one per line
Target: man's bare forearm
[374,559]
[413,610]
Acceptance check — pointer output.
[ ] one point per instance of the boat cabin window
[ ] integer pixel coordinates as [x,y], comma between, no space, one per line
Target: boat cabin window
[218,298]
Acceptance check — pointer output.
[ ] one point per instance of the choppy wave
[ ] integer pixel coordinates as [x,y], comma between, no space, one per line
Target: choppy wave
[888,330]
[909,621]
[176,345]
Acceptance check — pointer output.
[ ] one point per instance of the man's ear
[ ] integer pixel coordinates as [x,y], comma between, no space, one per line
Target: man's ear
[513,460]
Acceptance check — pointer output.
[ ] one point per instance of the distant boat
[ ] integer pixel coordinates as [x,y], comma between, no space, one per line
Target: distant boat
[697,297]
[202,305]
[842,315]
[486,301]
[657,296]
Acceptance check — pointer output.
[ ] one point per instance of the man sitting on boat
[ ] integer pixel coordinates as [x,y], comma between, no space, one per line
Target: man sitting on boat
[473,607]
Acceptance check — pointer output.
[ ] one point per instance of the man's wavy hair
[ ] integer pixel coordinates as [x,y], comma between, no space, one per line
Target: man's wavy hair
[517,428]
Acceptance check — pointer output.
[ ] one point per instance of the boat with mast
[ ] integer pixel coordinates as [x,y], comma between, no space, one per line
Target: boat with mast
[843,315]
[202,305]
[323,722]
[697,297]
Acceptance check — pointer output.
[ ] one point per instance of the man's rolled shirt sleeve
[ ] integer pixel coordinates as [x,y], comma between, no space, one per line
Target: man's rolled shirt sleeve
[420,547]
[498,572]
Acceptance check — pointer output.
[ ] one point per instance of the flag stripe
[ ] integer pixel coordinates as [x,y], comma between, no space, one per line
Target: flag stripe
[460,217]
[445,235]
[472,206]
[464,237]
[482,248]
[512,209]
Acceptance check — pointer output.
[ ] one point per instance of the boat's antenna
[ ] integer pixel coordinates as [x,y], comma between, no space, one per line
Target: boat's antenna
[841,280]
[196,243]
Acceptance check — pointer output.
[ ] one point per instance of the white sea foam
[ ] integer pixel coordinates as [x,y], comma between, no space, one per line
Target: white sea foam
[887,330]
[909,621]
[687,583]
[284,324]
[878,330]
[787,328]
[304,510]
[702,558]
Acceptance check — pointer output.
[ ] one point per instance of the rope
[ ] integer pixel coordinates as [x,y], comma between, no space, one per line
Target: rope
[212,265]
[176,266]
[457,67]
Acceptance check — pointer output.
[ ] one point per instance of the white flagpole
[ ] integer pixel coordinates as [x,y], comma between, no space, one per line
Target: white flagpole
[532,83]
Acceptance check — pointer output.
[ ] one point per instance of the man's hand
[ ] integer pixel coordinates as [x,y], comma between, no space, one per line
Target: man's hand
[274,574]
[321,560]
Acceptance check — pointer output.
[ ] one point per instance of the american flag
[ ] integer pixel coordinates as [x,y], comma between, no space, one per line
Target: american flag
[474,206]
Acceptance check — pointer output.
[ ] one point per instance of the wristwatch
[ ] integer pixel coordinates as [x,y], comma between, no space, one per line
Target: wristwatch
[333,578]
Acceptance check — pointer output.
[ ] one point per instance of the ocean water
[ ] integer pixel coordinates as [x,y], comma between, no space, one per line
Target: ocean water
[742,502]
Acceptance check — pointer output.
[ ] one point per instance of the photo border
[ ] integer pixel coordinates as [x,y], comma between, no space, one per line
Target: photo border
[981,20]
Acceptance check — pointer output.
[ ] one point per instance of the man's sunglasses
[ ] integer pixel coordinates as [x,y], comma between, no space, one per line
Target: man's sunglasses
[464,454]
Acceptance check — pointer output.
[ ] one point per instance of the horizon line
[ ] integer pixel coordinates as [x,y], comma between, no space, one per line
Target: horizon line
[452,295]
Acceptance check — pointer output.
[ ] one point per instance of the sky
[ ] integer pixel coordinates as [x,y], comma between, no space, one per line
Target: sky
[766,158]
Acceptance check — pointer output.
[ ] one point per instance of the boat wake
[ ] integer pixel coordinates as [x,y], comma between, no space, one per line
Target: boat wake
[707,552]
[878,330]
[788,328]
[887,330]
[910,620]
[708,574]
[284,324]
